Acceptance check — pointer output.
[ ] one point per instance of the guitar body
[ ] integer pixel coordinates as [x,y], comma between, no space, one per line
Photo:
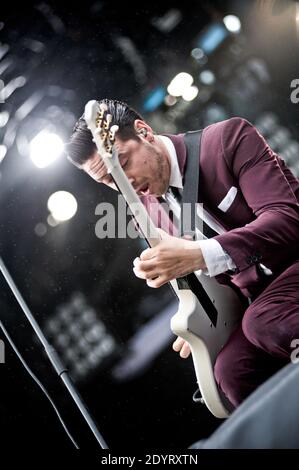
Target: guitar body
[206,340]
[208,312]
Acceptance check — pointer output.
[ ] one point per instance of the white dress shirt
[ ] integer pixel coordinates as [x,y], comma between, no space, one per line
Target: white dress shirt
[216,259]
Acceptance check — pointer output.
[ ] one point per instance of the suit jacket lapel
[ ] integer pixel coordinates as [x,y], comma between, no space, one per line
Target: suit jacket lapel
[179,145]
[178,142]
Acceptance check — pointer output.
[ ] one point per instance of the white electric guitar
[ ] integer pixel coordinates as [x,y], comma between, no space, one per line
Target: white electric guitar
[208,312]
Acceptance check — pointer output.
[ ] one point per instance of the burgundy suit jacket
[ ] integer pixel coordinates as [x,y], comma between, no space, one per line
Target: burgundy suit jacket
[261,213]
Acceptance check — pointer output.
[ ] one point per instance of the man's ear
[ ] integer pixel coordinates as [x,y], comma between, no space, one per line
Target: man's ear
[141,127]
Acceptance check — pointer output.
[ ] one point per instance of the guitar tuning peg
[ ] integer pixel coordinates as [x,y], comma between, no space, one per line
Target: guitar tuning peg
[113,131]
[108,121]
[103,107]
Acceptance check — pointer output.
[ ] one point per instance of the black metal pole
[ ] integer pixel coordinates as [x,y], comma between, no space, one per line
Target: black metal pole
[53,357]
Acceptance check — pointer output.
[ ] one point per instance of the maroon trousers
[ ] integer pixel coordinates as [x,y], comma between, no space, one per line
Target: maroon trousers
[262,343]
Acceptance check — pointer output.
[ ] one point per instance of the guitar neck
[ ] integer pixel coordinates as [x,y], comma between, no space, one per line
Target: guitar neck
[138,210]
[145,223]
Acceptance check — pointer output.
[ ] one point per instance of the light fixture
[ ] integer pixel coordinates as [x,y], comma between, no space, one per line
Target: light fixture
[3,150]
[45,148]
[232,23]
[207,77]
[190,93]
[80,337]
[179,84]
[62,205]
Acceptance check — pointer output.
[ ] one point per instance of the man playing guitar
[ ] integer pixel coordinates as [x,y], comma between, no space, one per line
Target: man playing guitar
[250,199]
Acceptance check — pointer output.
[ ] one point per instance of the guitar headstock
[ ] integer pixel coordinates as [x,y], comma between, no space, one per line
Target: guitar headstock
[98,121]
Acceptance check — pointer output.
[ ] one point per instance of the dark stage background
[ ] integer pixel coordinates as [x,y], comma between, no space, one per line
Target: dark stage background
[107,325]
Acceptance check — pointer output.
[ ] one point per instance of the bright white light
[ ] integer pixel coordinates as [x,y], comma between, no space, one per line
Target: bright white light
[62,205]
[190,93]
[4,116]
[179,84]
[232,23]
[45,148]
[207,77]
[3,150]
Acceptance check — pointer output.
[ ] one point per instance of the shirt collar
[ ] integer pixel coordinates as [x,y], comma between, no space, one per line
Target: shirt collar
[175,174]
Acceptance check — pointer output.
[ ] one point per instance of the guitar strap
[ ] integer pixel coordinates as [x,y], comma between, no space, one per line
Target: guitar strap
[190,197]
[191,188]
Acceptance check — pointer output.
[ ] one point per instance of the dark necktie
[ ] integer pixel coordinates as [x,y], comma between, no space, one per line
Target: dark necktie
[208,231]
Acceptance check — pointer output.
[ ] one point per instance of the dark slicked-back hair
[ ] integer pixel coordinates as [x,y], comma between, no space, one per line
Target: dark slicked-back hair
[81,147]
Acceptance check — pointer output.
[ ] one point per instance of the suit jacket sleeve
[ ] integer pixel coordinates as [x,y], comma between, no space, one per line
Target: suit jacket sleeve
[272,238]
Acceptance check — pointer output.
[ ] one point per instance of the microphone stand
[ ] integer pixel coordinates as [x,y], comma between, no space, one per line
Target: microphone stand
[54,358]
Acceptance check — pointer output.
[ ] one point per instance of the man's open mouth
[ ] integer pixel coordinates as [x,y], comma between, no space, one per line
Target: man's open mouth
[144,190]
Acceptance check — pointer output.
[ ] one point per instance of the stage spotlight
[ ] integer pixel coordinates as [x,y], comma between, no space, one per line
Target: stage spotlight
[170,100]
[4,116]
[190,93]
[3,150]
[179,84]
[45,148]
[232,23]
[51,221]
[207,77]
[81,337]
[40,229]
[154,99]
[208,41]
[62,205]
[197,53]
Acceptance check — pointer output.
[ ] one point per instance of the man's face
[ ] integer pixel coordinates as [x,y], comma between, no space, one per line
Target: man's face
[145,163]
